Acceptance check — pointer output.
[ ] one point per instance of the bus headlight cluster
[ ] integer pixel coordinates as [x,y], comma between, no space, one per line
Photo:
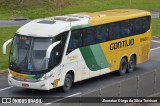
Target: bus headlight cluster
[45,77]
[42,79]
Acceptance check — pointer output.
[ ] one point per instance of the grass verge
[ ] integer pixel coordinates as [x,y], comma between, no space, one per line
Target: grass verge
[5,34]
[155,26]
[44,8]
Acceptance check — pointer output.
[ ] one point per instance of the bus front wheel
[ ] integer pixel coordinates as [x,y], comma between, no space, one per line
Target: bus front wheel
[67,82]
[123,67]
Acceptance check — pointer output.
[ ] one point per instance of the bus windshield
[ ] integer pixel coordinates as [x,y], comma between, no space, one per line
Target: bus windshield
[28,54]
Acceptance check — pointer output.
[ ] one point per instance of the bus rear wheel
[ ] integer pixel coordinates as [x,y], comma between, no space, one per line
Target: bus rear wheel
[67,82]
[123,67]
[131,64]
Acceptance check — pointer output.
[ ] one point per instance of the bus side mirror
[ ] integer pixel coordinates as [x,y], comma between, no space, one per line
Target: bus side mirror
[49,50]
[5,45]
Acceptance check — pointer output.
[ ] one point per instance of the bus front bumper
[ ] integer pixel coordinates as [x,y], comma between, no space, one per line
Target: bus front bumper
[40,85]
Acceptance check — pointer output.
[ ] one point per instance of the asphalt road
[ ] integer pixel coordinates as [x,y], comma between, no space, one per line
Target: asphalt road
[7,23]
[83,86]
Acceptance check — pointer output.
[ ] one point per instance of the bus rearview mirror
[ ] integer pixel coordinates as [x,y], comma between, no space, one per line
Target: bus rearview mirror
[49,50]
[4,48]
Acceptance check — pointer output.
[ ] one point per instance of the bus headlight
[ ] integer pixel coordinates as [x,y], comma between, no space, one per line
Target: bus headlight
[42,79]
[45,77]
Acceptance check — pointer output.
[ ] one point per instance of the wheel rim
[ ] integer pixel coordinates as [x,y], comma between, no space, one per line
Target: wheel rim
[67,82]
[132,64]
[123,67]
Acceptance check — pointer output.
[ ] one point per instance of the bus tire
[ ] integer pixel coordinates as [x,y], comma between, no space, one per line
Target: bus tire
[67,82]
[123,67]
[131,64]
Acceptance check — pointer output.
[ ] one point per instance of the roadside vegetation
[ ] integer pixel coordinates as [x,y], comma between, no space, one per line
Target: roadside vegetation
[155,26]
[45,8]
[5,34]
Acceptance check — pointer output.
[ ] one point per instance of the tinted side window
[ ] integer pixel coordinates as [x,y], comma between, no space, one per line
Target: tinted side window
[99,34]
[145,24]
[126,28]
[113,31]
[84,37]
[71,43]
[75,40]
[62,37]
[138,26]
[105,33]
[91,36]
[57,52]
[132,27]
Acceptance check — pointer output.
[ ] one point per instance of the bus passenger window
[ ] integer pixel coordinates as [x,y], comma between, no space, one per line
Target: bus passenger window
[132,28]
[126,28]
[91,38]
[145,24]
[84,37]
[71,44]
[113,31]
[75,40]
[138,26]
[98,34]
[57,52]
[104,33]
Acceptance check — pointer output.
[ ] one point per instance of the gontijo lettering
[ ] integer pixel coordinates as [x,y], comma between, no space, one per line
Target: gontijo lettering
[121,44]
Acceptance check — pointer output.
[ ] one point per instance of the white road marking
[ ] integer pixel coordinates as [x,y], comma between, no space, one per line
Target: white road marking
[63,98]
[5,88]
[156,41]
[154,48]
[74,94]
[47,104]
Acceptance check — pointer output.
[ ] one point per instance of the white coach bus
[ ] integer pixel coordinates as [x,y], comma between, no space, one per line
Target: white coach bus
[57,51]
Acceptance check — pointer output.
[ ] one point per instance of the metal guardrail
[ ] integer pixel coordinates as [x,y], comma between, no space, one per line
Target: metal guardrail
[138,86]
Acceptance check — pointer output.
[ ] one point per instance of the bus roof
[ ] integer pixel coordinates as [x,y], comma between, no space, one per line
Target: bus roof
[51,26]
[115,15]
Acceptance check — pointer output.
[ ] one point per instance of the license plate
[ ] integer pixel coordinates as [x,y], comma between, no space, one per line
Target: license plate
[25,85]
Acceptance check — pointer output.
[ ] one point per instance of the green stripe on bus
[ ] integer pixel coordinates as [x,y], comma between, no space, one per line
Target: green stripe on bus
[30,76]
[94,57]
[89,58]
[38,76]
[34,76]
[97,53]
[99,56]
